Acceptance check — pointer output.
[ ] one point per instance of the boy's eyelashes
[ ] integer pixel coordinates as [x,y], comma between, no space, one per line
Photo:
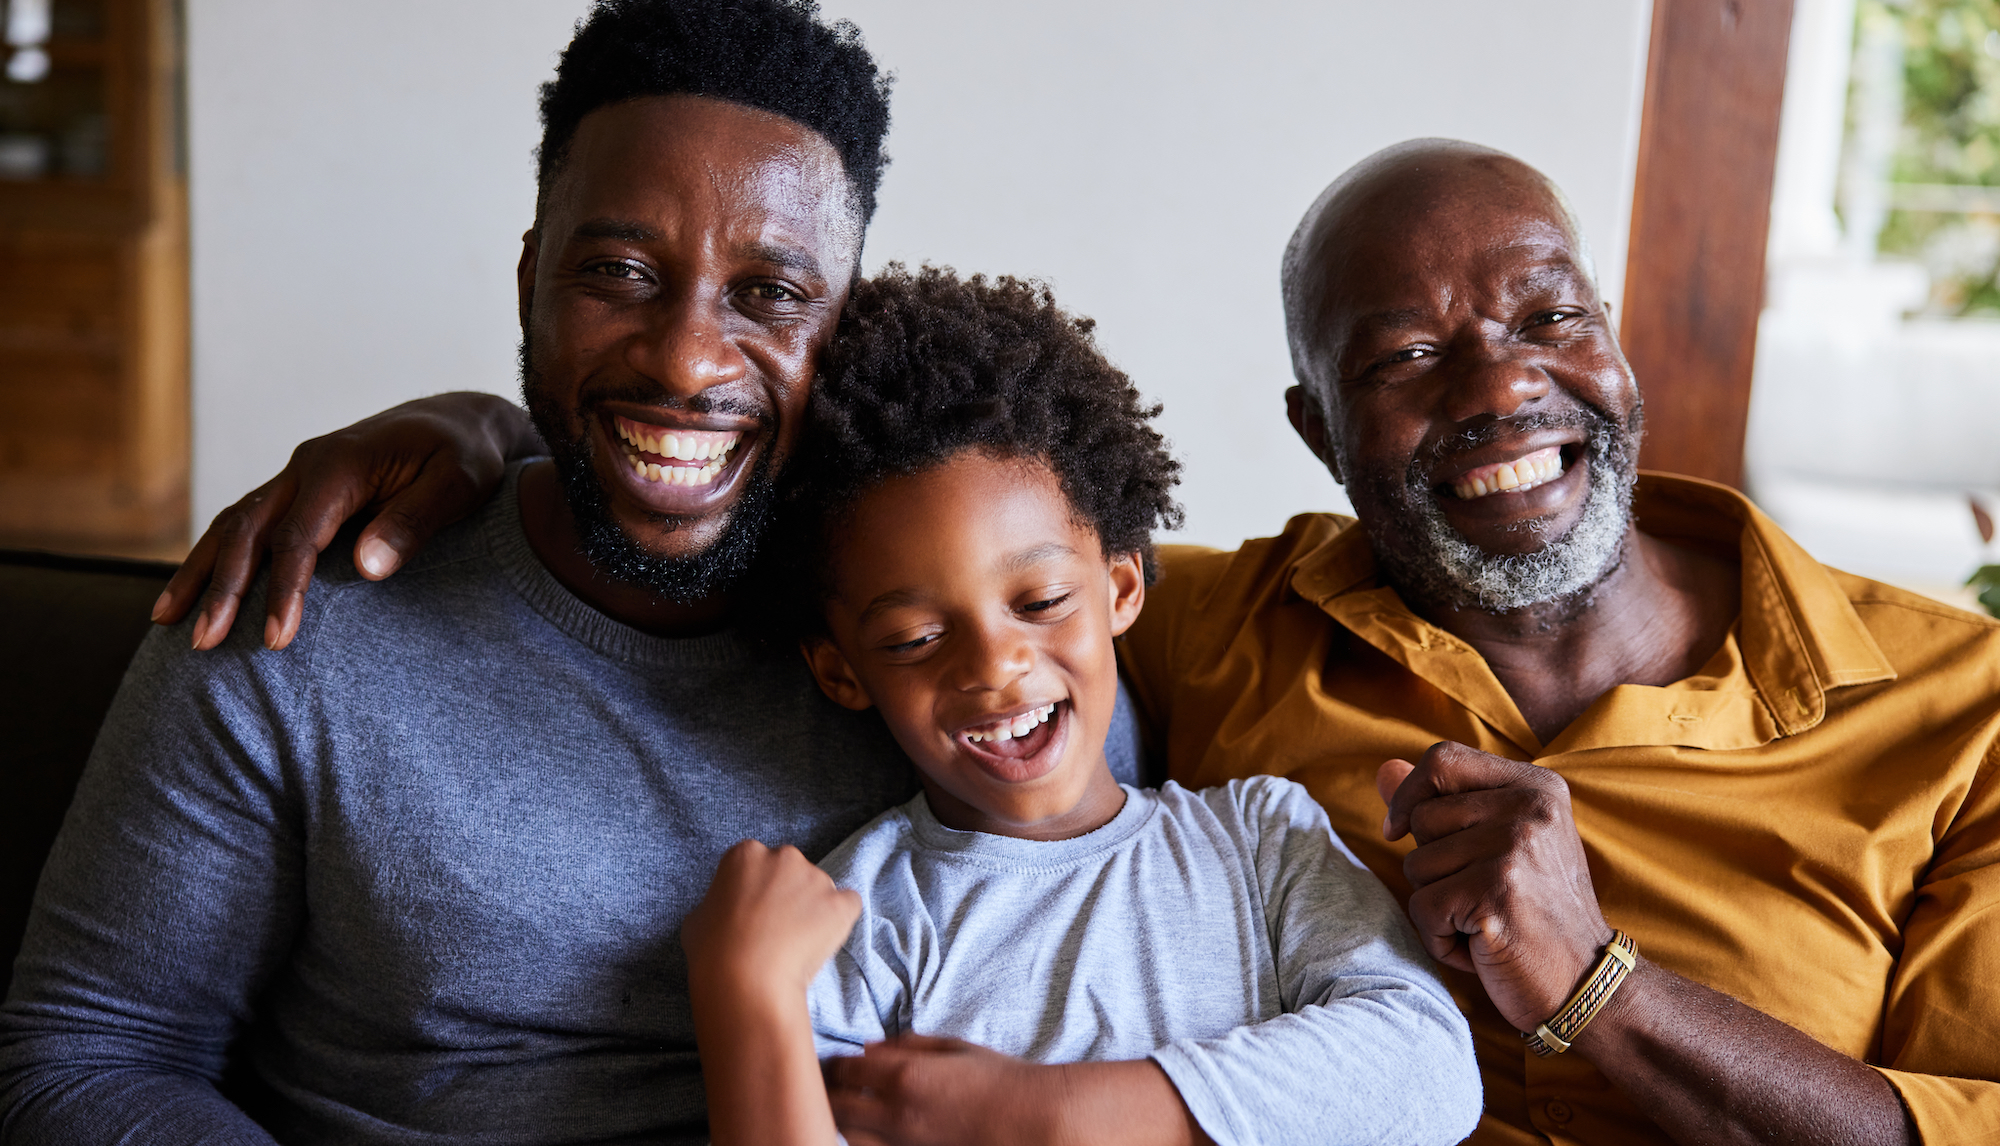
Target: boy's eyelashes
[1042,607]
[913,644]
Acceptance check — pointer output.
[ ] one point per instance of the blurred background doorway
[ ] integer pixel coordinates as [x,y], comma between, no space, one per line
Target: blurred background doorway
[1875,412]
[93,278]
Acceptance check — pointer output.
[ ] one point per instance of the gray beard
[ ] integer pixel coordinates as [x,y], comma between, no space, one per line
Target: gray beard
[1427,559]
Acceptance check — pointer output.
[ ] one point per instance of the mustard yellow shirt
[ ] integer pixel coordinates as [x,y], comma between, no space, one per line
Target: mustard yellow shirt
[1811,824]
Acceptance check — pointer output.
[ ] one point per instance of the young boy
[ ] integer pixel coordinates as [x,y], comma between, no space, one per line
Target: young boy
[973,528]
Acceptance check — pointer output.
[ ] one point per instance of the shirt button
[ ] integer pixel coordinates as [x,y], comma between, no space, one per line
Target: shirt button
[1559,1111]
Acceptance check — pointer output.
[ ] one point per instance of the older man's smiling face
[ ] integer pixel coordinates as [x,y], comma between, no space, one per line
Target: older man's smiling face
[1467,385]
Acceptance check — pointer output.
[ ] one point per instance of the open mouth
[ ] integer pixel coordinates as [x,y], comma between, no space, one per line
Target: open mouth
[1018,747]
[676,457]
[1529,471]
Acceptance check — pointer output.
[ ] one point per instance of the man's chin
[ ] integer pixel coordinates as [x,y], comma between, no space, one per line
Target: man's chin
[684,558]
[1430,560]
[1510,524]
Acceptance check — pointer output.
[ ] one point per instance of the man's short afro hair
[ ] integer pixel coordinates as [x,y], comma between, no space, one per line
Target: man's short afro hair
[927,365]
[774,55]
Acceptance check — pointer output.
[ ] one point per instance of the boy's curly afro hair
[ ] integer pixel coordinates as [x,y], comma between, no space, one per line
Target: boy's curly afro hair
[927,365]
[774,55]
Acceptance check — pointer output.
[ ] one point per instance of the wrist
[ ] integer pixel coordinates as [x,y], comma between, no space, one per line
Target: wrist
[513,430]
[1593,995]
[738,990]
[1621,1017]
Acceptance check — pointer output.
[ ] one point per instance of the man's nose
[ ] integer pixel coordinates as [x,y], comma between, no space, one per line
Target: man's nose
[687,346]
[1491,382]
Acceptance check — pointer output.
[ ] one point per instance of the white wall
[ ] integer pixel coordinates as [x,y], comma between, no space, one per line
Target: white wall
[361,176]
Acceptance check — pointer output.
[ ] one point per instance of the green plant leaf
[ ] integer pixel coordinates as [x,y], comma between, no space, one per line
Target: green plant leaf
[1987,579]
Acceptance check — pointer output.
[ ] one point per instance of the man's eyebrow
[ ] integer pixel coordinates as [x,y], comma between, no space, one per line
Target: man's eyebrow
[787,258]
[1378,321]
[623,230]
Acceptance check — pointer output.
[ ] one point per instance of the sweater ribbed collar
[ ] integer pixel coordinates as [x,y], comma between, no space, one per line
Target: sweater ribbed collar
[507,540]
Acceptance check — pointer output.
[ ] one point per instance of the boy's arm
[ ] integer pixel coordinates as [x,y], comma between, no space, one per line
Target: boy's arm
[754,943]
[1371,1048]
[914,1090]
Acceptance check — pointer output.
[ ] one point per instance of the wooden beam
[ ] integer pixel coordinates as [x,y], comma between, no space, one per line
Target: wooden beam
[1701,207]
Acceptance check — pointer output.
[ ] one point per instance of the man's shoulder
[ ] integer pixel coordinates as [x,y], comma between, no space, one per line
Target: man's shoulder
[1202,575]
[458,561]
[1920,634]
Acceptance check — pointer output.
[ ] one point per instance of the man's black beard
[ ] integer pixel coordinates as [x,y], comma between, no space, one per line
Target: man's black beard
[1432,564]
[685,580]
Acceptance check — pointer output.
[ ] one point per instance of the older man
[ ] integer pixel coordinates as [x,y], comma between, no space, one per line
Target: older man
[1658,714]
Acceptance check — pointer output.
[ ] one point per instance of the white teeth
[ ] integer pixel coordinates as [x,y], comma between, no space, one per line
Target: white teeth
[687,449]
[1019,726]
[1521,475]
[684,475]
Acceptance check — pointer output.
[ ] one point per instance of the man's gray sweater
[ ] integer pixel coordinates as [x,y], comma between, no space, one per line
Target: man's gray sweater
[419,877]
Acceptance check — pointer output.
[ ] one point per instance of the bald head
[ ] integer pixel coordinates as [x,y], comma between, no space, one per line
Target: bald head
[1372,217]
[1458,371]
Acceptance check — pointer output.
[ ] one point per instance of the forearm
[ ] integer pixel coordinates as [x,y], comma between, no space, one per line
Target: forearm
[760,1069]
[1115,1103]
[507,425]
[1709,1069]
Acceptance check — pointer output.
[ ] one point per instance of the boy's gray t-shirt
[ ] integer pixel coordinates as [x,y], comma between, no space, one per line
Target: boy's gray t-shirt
[1161,934]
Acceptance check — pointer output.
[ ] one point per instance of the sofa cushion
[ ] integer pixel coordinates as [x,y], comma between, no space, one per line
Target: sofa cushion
[72,625]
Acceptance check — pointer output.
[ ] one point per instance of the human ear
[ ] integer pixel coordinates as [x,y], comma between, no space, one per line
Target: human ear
[1303,408]
[1128,591]
[524,274]
[835,675]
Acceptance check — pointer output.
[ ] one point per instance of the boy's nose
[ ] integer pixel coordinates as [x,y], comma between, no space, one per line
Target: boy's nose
[995,659]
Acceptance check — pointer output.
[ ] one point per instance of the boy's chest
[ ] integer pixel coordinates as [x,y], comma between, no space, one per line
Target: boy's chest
[1107,967]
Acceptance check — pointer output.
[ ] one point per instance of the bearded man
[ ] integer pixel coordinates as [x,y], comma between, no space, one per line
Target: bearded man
[1708,833]
[1657,713]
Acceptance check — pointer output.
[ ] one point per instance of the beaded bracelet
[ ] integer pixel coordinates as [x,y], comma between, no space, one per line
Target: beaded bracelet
[1556,1035]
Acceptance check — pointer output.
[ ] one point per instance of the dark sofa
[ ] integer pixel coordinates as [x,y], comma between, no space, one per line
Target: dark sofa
[68,628]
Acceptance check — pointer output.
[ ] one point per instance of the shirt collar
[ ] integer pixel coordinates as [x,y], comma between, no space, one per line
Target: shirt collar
[1798,636]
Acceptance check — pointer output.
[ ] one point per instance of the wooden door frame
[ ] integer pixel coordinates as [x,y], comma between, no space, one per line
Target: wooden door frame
[1701,212]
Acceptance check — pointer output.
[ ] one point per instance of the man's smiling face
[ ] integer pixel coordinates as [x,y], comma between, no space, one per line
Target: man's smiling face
[1465,382]
[690,263]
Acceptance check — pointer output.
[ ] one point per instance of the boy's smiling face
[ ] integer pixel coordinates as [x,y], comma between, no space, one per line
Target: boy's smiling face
[976,611]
